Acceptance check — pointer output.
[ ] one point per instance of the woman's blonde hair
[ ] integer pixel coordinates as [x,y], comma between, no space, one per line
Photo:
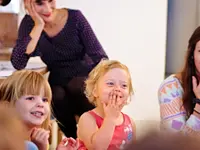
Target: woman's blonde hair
[100,70]
[25,82]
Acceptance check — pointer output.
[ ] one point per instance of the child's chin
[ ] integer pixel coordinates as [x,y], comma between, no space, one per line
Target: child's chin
[36,123]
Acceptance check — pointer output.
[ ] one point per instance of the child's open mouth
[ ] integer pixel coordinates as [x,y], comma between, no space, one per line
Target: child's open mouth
[37,114]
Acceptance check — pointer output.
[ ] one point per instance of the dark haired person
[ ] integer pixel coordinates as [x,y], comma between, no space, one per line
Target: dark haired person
[179,94]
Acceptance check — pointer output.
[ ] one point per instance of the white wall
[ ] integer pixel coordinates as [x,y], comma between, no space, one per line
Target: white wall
[134,32]
[183,19]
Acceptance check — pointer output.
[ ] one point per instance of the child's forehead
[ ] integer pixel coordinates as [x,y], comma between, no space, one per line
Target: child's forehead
[115,73]
[43,0]
[40,91]
[33,94]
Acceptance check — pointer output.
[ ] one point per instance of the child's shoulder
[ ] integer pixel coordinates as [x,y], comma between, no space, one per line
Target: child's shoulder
[86,116]
[126,115]
[128,119]
[86,122]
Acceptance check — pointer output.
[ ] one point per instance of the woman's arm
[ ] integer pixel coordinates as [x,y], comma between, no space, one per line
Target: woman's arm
[28,36]
[173,115]
[91,44]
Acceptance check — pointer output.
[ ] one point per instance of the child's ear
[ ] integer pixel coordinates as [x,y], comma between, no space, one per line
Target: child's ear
[94,92]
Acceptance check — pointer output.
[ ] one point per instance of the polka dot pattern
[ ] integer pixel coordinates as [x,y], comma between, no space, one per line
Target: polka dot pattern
[74,51]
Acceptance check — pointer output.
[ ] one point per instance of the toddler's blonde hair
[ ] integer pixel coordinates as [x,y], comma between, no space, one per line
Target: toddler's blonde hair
[100,70]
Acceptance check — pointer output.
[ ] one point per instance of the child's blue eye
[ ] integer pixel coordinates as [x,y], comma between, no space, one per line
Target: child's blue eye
[124,85]
[110,83]
[45,100]
[30,98]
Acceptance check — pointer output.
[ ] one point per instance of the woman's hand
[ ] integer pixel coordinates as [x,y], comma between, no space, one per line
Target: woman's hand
[29,5]
[196,88]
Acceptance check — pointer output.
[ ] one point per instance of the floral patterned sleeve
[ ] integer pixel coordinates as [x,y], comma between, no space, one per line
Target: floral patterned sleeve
[172,112]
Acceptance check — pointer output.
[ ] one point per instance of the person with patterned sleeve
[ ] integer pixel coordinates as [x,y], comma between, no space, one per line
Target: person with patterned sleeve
[66,43]
[179,94]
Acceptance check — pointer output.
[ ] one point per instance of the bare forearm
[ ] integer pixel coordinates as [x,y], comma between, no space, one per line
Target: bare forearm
[35,35]
[103,136]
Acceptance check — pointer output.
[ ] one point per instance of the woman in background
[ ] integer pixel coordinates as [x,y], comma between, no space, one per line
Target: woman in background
[179,94]
[66,43]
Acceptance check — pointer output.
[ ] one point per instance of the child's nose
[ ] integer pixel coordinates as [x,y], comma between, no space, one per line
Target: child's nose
[40,105]
[117,88]
[40,102]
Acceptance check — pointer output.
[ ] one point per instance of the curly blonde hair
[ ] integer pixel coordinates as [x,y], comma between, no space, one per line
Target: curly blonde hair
[25,82]
[100,70]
